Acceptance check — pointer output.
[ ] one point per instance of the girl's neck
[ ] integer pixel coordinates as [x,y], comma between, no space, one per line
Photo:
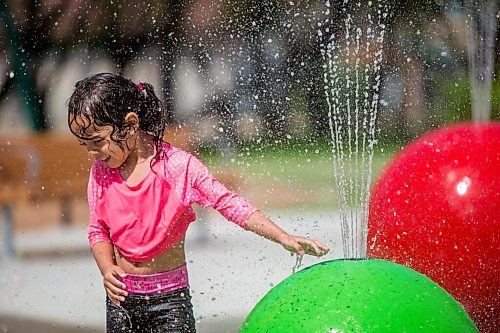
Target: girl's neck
[141,155]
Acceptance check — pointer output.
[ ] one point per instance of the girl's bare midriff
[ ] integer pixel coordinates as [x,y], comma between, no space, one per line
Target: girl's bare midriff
[170,259]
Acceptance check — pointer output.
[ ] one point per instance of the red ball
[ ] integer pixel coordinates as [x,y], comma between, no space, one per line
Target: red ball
[436,209]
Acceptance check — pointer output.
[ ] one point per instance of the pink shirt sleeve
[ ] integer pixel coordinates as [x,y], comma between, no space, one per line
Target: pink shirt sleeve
[203,188]
[98,231]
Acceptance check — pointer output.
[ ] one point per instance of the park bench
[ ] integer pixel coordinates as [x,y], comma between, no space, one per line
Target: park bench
[38,167]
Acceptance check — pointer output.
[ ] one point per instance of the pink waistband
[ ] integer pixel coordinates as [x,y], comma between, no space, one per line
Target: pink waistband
[163,282]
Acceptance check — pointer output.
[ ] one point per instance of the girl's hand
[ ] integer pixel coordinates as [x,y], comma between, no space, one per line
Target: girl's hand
[303,245]
[114,287]
[263,226]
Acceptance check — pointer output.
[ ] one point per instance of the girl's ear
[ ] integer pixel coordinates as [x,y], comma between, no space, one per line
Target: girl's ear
[132,121]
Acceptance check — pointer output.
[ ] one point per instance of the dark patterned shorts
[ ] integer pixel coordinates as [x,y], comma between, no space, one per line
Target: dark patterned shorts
[166,312]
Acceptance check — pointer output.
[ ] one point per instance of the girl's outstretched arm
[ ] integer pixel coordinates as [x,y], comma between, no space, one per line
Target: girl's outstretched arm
[261,225]
[201,187]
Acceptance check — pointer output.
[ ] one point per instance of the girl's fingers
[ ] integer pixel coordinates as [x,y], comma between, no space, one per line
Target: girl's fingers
[119,271]
[115,290]
[323,246]
[303,245]
[113,280]
[315,247]
[300,250]
[312,248]
[114,298]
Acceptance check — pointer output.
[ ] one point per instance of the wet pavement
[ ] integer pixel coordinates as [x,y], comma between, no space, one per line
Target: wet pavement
[53,284]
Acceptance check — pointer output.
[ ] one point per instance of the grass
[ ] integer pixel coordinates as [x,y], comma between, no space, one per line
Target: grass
[286,174]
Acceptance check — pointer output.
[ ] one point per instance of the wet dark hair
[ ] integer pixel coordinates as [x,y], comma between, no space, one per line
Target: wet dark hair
[105,99]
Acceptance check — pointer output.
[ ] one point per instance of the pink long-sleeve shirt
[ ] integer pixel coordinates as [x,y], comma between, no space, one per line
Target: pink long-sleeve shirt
[144,220]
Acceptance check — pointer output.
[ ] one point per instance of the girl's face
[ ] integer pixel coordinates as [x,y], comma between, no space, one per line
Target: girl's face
[101,146]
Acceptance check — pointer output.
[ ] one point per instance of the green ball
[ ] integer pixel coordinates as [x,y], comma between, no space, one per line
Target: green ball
[358,296]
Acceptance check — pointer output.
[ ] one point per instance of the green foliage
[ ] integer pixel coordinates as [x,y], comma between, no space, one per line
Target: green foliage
[495,98]
[452,99]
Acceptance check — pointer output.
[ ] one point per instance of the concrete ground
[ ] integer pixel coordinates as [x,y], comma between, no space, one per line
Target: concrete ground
[53,284]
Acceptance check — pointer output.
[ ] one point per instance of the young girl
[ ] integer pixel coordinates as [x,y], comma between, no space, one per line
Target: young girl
[140,194]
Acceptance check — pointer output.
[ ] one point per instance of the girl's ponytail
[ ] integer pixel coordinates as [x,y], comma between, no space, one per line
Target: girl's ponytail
[152,115]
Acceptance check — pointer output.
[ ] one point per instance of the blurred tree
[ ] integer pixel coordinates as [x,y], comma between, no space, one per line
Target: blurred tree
[404,51]
[32,30]
[272,48]
[38,29]
[481,26]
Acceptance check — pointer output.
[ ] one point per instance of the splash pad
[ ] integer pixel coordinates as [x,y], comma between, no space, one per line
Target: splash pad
[357,296]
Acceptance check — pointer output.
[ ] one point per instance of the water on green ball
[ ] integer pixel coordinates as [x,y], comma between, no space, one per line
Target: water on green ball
[357,296]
